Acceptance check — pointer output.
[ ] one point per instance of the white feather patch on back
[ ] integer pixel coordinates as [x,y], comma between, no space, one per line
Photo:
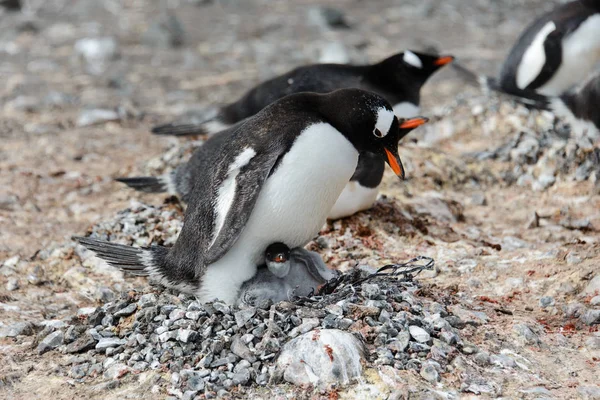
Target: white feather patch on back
[534,58]
[581,55]
[214,126]
[168,182]
[385,118]
[406,109]
[226,193]
[412,59]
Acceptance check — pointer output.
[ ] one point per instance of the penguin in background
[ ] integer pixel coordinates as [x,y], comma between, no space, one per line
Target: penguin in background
[554,53]
[398,79]
[264,188]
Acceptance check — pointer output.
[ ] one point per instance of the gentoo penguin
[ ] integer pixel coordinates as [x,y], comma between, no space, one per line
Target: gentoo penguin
[264,188]
[398,79]
[307,274]
[553,54]
[359,194]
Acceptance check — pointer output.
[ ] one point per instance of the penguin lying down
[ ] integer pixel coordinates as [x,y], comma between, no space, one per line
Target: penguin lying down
[301,274]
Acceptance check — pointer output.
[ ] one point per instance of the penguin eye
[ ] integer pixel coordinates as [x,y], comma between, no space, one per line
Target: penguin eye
[377,133]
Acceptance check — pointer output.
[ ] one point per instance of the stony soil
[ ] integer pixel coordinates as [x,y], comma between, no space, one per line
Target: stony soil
[506,206]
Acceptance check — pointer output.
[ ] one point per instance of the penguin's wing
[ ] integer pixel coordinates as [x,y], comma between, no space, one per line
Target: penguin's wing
[237,197]
[221,202]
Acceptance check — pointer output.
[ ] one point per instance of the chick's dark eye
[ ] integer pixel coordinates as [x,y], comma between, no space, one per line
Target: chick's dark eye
[377,133]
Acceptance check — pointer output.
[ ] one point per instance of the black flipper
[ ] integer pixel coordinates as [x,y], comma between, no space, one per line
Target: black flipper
[148,184]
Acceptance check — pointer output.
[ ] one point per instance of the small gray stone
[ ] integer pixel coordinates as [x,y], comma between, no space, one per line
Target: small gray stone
[186,335]
[165,32]
[527,334]
[593,343]
[593,287]
[595,301]
[244,315]
[12,284]
[591,317]
[116,371]
[105,343]
[546,301]
[50,342]
[503,361]
[97,53]
[20,328]
[400,343]
[78,371]
[242,377]
[429,373]
[419,334]
[482,358]
[96,116]
[177,314]
[371,290]
[147,300]
[83,343]
[221,307]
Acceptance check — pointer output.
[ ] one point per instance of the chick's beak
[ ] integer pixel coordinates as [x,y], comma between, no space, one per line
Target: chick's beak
[443,61]
[393,159]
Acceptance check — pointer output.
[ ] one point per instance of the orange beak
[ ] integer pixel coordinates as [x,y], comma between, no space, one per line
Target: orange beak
[443,61]
[395,163]
[279,259]
[413,123]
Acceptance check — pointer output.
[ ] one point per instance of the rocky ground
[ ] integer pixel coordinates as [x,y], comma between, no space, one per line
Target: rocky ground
[502,199]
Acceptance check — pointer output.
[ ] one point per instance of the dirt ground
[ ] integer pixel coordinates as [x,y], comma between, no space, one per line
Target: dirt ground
[56,176]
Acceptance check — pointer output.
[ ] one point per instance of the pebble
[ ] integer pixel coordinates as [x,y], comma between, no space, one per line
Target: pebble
[593,287]
[147,300]
[12,284]
[97,53]
[116,371]
[429,373]
[546,301]
[167,31]
[595,301]
[83,343]
[591,317]
[419,334]
[20,328]
[96,116]
[50,342]
[527,334]
[105,343]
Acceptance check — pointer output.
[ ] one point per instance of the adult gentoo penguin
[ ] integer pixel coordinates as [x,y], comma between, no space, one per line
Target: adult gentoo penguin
[264,188]
[359,194]
[398,79]
[553,54]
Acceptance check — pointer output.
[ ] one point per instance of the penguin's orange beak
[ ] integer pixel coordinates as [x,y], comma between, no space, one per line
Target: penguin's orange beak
[443,61]
[393,159]
[279,258]
[394,162]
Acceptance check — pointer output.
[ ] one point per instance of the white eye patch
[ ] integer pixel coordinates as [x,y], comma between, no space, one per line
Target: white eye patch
[385,118]
[412,59]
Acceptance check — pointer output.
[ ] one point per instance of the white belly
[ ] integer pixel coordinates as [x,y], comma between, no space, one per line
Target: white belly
[353,199]
[291,207]
[581,55]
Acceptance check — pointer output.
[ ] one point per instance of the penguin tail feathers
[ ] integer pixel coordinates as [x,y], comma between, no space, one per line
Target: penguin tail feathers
[484,82]
[149,184]
[208,127]
[133,260]
[528,98]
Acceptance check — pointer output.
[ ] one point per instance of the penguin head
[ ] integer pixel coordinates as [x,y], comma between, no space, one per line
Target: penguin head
[368,122]
[411,68]
[277,258]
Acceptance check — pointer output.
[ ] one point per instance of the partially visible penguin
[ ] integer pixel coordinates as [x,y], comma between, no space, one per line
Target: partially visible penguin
[398,79]
[262,188]
[579,107]
[554,53]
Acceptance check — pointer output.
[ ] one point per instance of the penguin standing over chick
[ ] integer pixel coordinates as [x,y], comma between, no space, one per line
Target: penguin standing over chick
[274,180]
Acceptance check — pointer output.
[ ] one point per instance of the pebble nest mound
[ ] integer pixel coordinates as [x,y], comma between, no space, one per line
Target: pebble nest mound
[215,350]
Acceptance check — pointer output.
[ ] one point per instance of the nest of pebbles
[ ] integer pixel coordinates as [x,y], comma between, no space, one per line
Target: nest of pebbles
[215,349]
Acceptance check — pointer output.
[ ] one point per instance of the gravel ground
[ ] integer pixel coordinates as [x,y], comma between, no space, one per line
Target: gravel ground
[502,198]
